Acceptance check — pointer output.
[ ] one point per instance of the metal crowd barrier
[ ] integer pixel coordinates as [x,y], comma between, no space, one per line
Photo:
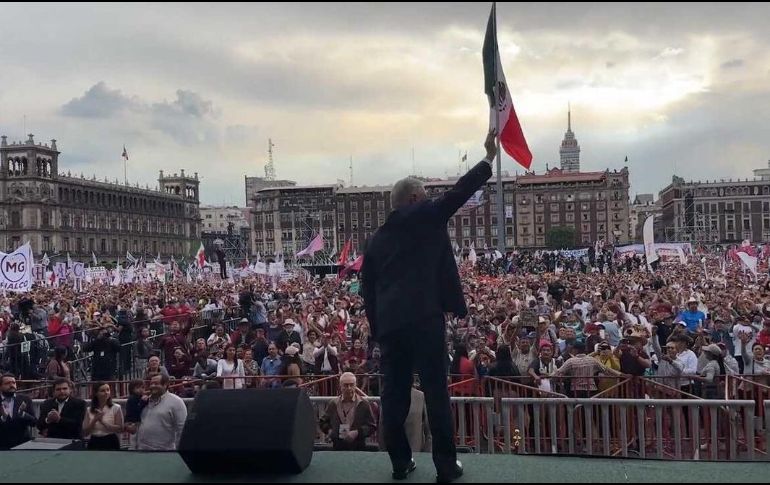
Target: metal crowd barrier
[680,429]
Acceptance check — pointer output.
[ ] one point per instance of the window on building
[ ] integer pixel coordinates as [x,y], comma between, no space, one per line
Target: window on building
[554,207]
[479,221]
[555,216]
[466,231]
[46,243]
[480,231]
[452,232]
[509,241]
[570,216]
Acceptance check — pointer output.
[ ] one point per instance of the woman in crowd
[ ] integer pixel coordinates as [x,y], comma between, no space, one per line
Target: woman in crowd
[230,369]
[180,366]
[218,340]
[58,366]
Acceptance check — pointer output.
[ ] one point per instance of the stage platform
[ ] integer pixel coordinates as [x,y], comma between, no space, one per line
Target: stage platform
[121,467]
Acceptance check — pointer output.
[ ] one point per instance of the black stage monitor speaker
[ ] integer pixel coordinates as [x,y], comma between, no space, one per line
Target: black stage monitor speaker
[249,431]
[52,444]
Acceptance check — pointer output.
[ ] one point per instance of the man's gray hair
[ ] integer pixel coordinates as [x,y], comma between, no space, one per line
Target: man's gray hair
[404,188]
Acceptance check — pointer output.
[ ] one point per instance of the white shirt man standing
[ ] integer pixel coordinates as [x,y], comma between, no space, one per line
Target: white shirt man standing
[162,419]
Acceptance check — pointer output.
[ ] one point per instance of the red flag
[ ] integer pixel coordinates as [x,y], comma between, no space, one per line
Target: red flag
[354,266]
[502,115]
[345,252]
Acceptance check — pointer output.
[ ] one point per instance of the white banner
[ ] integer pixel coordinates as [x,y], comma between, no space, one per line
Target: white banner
[16,270]
[38,273]
[649,241]
[749,261]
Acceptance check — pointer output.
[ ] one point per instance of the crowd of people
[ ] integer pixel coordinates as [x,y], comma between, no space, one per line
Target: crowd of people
[536,319]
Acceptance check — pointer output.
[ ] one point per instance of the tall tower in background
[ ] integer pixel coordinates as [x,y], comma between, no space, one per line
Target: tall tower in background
[570,150]
[270,167]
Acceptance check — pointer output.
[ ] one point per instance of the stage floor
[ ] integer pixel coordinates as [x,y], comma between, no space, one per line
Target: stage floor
[121,467]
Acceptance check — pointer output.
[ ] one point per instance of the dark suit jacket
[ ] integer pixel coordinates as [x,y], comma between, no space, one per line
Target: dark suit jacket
[409,271]
[71,424]
[14,430]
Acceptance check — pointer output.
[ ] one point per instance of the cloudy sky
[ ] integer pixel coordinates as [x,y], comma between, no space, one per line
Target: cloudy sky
[202,87]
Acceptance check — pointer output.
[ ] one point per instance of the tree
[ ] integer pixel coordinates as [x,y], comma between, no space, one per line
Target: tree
[560,237]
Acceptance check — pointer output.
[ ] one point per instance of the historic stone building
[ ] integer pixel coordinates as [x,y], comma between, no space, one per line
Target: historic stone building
[723,211]
[61,213]
[593,204]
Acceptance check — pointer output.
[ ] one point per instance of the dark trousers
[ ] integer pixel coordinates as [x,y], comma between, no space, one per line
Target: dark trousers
[111,442]
[223,270]
[419,346]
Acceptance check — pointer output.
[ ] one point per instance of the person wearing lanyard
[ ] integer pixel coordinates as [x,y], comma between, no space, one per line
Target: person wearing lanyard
[348,420]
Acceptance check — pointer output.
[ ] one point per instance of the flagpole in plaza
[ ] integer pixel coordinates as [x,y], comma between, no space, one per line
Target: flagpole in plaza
[499,185]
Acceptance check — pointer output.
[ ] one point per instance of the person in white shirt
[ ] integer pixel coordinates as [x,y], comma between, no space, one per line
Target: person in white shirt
[103,420]
[743,331]
[689,362]
[230,368]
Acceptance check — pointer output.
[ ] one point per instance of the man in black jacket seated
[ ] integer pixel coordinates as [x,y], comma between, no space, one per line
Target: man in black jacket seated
[410,280]
[62,416]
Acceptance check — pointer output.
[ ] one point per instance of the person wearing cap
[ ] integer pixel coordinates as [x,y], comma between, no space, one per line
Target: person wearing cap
[288,336]
[243,336]
[592,337]
[291,366]
[542,367]
[688,359]
[606,358]
[692,317]
[410,280]
[721,334]
[669,367]
[715,367]
[348,419]
[611,328]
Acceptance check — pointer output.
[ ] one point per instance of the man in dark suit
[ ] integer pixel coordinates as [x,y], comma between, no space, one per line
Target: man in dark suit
[221,259]
[62,416]
[15,415]
[410,280]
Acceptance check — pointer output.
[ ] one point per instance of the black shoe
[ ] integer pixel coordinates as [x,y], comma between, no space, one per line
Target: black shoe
[402,474]
[447,476]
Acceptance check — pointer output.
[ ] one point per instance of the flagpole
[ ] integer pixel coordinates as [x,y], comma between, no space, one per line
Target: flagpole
[500,207]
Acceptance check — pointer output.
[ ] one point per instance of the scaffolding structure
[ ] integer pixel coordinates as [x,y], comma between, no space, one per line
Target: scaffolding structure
[690,225]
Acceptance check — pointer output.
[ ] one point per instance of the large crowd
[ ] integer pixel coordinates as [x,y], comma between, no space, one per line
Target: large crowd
[547,321]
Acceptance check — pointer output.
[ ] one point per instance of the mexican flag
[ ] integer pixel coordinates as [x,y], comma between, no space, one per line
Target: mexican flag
[502,115]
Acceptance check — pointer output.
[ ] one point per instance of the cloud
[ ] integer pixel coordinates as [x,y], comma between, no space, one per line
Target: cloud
[98,102]
[189,118]
[732,64]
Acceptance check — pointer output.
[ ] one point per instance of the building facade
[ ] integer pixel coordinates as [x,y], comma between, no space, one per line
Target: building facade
[725,211]
[224,219]
[59,213]
[593,204]
[641,208]
[255,184]
[286,218]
